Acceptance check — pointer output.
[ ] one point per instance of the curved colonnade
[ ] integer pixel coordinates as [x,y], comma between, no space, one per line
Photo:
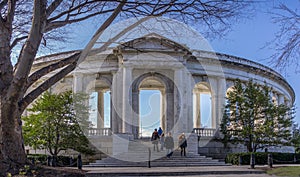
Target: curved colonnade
[154,62]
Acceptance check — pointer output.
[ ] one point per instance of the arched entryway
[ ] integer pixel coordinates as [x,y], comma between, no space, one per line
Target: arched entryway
[162,85]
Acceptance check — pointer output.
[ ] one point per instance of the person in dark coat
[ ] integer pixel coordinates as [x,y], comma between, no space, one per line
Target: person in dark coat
[154,139]
[182,144]
[160,131]
[169,144]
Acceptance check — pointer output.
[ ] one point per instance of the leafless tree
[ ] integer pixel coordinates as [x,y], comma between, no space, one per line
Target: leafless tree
[28,24]
[287,39]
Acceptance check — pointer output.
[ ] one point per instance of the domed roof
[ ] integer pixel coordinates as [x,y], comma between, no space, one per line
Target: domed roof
[171,29]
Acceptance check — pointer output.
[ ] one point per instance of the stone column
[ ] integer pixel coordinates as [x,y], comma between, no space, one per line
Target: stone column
[280,99]
[188,104]
[163,110]
[135,114]
[127,100]
[169,110]
[218,87]
[78,82]
[197,122]
[180,123]
[220,100]
[214,91]
[111,111]
[100,107]
[116,103]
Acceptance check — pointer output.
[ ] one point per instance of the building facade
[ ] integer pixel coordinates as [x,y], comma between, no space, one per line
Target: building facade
[180,71]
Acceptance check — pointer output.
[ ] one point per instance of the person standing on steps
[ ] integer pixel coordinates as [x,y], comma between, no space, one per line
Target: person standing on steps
[169,144]
[160,131]
[182,144]
[154,139]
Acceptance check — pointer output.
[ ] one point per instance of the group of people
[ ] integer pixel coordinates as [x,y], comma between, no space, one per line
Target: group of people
[167,142]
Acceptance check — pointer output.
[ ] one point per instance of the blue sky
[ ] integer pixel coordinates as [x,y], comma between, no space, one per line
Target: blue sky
[247,39]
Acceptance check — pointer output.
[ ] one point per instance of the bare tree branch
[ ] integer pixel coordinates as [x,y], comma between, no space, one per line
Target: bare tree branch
[52,80]
[15,42]
[52,7]
[76,9]
[58,24]
[117,36]
[287,39]
[10,11]
[45,70]
[45,86]
[100,31]
[28,53]
[3,4]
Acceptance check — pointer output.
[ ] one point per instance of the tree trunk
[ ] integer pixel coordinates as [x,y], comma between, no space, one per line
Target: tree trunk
[12,153]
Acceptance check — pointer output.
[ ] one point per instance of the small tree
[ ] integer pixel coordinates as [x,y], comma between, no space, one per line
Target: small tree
[57,122]
[296,137]
[251,117]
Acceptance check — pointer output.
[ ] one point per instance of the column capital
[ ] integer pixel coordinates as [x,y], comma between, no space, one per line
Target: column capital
[78,74]
[127,66]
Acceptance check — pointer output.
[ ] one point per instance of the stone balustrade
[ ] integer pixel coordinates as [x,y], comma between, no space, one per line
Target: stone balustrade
[204,132]
[99,132]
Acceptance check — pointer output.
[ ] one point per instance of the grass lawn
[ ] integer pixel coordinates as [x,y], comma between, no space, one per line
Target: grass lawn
[285,171]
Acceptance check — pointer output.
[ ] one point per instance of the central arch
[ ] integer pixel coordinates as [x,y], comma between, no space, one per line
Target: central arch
[154,81]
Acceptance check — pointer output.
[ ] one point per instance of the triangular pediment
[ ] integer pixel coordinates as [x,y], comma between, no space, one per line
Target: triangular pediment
[153,42]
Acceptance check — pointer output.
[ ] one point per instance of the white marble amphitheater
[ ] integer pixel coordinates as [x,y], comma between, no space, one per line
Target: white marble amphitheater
[168,56]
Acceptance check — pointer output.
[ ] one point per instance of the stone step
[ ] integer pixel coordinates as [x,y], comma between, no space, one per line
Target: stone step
[167,171]
[137,155]
[158,160]
[155,165]
[164,162]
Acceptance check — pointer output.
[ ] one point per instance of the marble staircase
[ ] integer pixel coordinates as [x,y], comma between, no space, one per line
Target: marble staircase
[138,155]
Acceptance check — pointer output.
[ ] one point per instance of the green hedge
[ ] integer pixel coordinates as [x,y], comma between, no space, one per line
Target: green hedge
[42,159]
[261,158]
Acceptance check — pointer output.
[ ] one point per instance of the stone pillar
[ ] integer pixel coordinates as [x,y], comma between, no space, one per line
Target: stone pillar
[218,87]
[180,122]
[189,102]
[220,100]
[78,82]
[116,103]
[163,110]
[127,100]
[100,107]
[135,114]
[214,91]
[169,110]
[280,99]
[111,111]
[197,116]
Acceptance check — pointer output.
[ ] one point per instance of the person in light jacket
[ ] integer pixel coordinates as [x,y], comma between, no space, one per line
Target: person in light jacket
[182,144]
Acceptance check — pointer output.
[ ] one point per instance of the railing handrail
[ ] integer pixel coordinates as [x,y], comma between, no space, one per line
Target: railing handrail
[205,132]
[99,132]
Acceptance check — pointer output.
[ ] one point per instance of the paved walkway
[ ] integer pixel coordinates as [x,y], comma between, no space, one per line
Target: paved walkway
[208,171]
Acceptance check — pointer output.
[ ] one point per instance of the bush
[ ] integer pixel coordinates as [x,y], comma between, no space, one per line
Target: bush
[42,159]
[261,158]
[38,158]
